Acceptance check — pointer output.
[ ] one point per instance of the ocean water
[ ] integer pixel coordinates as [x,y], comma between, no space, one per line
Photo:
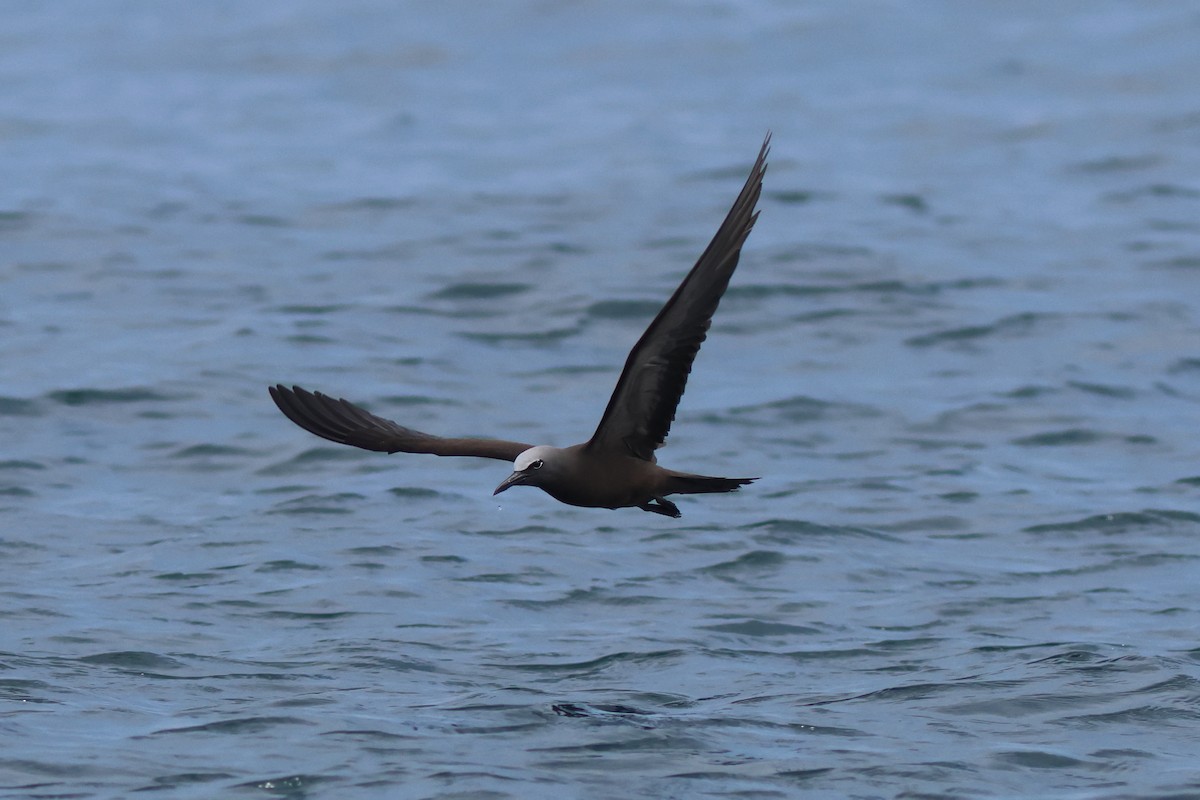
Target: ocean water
[962,349]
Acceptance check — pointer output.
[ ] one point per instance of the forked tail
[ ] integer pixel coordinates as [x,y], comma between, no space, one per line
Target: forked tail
[682,483]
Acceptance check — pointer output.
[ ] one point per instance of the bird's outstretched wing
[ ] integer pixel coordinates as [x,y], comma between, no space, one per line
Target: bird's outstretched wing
[345,423]
[642,407]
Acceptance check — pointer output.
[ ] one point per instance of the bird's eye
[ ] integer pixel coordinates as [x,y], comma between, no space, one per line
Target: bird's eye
[537,464]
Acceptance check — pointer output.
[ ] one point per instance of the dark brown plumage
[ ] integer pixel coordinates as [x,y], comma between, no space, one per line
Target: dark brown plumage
[616,468]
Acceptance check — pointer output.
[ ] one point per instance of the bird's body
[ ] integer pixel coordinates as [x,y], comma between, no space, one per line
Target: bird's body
[570,477]
[609,480]
[616,468]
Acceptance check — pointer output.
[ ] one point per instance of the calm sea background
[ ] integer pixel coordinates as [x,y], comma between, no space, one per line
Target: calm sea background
[962,349]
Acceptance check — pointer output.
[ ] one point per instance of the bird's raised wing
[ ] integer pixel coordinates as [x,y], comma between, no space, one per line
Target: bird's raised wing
[345,423]
[642,407]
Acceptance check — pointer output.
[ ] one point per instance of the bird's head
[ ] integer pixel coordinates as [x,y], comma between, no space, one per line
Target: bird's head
[535,467]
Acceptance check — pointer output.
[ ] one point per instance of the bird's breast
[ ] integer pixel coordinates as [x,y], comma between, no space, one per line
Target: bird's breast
[607,482]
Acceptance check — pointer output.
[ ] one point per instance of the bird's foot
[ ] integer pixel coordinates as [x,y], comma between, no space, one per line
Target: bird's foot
[661,506]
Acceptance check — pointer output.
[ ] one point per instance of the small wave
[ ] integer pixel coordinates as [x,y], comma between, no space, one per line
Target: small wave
[1017,325]
[312,459]
[371,204]
[17,464]
[262,221]
[24,691]
[18,407]
[1060,438]
[133,659]
[288,565]
[311,616]
[595,665]
[319,504]
[240,726]
[793,529]
[1138,716]
[759,628]
[210,451]
[1039,759]
[1104,390]
[754,561]
[799,408]
[524,529]
[314,309]
[550,336]
[602,711]
[623,309]
[1153,191]
[84,397]
[1121,522]
[1180,366]
[1118,163]
[796,197]
[597,596]
[912,202]
[292,786]
[469,290]
[413,493]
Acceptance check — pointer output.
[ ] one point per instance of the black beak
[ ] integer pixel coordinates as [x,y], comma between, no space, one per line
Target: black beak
[515,479]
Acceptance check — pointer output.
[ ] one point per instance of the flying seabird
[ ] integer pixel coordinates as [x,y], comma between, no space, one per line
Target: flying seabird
[616,468]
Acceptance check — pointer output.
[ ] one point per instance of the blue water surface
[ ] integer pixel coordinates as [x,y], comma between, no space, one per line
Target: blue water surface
[962,349]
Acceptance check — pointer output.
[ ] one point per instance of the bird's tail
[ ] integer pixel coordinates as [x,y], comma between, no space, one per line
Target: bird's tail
[683,483]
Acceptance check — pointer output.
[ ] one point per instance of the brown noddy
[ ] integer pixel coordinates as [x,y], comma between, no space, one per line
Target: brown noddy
[616,468]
